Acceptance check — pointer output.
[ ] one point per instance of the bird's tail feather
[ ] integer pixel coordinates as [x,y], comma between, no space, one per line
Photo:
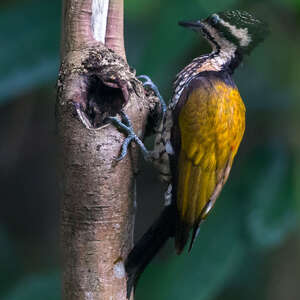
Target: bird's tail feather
[182,235]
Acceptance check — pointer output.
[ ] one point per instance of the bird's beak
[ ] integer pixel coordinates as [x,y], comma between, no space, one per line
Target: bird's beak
[196,25]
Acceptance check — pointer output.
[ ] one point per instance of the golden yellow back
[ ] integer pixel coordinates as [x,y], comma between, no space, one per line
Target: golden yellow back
[211,124]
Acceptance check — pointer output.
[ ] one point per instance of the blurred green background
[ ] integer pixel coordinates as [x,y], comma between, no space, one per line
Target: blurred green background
[249,247]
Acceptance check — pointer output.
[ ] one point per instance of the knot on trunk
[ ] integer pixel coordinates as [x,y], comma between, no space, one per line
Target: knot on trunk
[100,85]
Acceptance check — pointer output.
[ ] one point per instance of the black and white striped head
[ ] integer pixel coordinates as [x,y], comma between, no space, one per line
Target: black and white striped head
[237,30]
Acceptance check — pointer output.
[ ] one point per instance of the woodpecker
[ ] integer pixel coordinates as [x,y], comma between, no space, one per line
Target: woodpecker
[205,120]
[204,123]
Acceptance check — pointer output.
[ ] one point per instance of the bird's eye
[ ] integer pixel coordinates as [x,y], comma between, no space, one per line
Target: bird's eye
[214,19]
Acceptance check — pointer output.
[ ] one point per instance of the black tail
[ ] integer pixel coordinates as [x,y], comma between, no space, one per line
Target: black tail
[149,245]
[182,235]
[196,230]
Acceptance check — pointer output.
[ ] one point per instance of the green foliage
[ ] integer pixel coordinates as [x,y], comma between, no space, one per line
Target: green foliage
[272,205]
[30,56]
[39,286]
[9,262]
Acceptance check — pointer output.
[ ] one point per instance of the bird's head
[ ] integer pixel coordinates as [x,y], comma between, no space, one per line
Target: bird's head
[231,29]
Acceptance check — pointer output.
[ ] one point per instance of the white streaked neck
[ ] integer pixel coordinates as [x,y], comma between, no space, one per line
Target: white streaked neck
[218,59]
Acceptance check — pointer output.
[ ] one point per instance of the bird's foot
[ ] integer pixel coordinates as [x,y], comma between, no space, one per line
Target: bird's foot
[126,126]
[149,82]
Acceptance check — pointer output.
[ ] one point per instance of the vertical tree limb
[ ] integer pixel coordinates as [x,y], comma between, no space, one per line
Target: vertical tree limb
[115,27]
[97,211]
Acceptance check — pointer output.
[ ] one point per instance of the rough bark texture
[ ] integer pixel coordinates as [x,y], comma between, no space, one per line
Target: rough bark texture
[97,211]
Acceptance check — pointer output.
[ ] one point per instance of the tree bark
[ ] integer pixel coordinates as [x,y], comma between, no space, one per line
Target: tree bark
[97,210]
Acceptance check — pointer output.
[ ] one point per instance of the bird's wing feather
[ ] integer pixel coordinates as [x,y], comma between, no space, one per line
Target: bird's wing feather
[211,124]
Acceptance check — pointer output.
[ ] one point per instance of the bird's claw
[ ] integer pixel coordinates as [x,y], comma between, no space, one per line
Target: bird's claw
[147,82]
[152,85]
[126,126]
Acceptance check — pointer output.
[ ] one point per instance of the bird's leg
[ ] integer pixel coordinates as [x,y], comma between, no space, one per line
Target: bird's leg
[149,82]
[126,126]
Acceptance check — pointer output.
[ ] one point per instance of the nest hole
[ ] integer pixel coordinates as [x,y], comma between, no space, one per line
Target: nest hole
[102,101]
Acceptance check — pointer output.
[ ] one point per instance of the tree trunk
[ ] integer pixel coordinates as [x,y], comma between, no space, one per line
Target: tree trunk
[97,210]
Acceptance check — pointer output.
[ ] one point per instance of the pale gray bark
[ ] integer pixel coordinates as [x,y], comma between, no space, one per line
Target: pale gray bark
[97,213]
